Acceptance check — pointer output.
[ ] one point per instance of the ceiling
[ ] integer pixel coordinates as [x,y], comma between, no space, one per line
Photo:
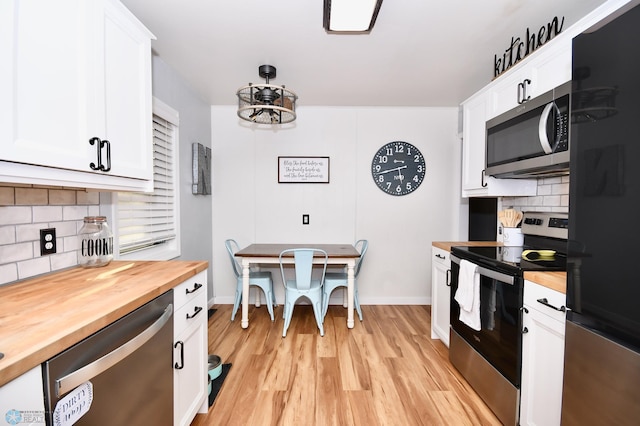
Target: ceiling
[420,53]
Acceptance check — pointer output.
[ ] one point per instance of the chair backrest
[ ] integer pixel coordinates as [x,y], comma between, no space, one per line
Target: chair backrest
[303,258]
[361,246]
[232,248]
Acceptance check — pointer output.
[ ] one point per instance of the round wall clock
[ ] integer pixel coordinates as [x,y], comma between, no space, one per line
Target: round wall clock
[398,168]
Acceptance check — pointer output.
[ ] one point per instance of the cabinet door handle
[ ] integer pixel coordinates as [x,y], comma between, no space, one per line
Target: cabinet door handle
[98,143]
[483,183]
[196,287]
[448,278]
[520,95]
[525,83]
[196,311]
[181,365]
[108,145]
[439,256]
[545,302]
[525,330]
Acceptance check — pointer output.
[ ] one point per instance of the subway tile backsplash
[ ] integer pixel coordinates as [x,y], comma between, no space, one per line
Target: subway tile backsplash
[26,209]
[552,196]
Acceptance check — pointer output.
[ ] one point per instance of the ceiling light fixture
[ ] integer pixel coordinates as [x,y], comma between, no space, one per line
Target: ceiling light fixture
[266,103]
[350,16]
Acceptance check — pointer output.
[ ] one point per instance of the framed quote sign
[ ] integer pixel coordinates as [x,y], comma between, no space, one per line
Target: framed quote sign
[303,169]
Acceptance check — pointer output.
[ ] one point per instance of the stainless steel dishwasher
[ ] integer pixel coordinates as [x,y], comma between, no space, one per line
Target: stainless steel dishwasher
[121,375]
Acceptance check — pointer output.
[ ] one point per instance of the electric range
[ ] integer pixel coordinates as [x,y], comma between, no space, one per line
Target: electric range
[488,349]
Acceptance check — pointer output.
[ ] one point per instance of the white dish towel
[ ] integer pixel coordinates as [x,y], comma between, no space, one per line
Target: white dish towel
[468,294]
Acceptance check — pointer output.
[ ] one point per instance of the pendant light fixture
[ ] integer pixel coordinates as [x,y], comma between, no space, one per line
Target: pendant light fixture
[266,103]
[350,16]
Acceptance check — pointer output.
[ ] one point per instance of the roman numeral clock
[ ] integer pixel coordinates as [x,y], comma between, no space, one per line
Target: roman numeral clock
[398,168]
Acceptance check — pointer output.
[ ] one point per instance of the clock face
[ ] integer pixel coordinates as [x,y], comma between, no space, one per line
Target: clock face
[398,168]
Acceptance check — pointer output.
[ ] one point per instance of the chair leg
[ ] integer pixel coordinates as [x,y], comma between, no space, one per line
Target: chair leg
[236,304]
[288,311]
[325,304]
[268,301]
[317,311]
[356,302]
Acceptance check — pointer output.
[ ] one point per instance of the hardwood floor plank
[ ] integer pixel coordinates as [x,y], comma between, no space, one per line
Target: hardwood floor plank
[385,371]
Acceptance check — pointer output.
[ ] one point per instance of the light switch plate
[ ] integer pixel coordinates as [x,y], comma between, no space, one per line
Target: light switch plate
[305,219]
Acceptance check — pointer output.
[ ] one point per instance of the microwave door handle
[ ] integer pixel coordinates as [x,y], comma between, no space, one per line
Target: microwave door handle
[542,128]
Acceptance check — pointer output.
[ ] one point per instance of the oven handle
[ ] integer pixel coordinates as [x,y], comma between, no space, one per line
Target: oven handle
[504,278]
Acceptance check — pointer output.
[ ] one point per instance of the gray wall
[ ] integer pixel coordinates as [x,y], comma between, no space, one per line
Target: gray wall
[195,126]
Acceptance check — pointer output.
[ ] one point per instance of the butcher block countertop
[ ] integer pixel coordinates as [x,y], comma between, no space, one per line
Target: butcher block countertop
[43,316]
[554,280]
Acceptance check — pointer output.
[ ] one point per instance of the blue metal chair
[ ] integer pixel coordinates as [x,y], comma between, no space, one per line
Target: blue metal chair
[260,279]
[303,285]
[333,280]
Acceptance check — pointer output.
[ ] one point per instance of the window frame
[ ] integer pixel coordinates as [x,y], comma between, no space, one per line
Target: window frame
[171,249]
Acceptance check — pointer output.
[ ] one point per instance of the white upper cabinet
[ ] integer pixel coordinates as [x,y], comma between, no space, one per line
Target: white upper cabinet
[474,181]
[76,71]
[546,69]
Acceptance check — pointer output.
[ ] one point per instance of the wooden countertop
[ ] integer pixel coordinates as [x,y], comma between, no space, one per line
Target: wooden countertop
[553,280]
[446,245]
[43,316]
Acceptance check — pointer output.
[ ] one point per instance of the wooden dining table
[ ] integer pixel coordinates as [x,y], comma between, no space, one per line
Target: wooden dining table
[257,254]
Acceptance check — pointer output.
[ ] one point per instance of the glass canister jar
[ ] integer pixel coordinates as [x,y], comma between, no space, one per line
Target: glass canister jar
[96,242]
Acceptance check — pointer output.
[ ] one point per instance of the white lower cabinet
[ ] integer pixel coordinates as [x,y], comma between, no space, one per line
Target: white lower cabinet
[542,355]
[22,399]
[440,293]
[190,349]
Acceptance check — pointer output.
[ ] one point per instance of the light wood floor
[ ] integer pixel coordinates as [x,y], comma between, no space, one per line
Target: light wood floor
[384,371]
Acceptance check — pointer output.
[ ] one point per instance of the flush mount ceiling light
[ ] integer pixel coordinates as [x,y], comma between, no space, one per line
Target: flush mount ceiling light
[266,103]
[350,16]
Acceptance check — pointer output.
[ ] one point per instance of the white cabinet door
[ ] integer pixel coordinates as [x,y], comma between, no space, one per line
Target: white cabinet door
[474,181]
[190,382]
[22,399]
[440,293]
[547,68]
[125,98]
[75,70]
[45,115]
[190,349]
[542,356]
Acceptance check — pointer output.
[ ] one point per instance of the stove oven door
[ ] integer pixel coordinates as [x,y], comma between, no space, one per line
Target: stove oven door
[499,339]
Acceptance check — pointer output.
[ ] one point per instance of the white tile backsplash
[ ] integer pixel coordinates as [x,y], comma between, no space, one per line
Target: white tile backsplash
[552,196]
[24,211]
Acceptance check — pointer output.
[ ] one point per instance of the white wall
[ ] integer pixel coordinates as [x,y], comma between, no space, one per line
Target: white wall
[250,206]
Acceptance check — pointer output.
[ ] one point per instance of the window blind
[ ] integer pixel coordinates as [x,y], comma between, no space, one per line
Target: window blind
[148,219]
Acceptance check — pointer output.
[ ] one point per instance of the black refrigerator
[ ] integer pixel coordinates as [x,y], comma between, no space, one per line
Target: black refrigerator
[602,351]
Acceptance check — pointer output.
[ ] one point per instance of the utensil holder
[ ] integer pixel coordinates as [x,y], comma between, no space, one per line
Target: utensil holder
[512,237]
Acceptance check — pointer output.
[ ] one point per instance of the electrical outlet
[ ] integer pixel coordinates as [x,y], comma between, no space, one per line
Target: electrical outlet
[305,219]
[47,241]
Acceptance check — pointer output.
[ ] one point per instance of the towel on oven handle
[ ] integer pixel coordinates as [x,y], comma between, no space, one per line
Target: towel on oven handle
[468,294]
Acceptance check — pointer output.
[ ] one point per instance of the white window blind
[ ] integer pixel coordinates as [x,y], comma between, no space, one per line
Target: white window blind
[149,219]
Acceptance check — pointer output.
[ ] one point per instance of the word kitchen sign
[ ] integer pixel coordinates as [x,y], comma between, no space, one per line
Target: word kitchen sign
[519,49]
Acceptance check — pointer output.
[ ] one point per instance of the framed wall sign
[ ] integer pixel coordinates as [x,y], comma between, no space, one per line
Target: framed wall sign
[303,169]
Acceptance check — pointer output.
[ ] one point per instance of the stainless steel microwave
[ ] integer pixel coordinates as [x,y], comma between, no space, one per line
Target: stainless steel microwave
[531,140]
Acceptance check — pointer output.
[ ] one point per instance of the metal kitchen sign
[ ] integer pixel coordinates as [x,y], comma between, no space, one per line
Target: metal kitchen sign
[519,49]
